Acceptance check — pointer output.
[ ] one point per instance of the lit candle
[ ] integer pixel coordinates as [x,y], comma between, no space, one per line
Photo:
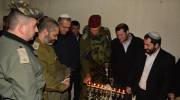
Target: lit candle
[119,91]
[89,83]
[98,85]
[94,84]
[123,92]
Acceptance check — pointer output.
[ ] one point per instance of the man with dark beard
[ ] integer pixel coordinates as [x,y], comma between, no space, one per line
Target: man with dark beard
[152,70]
[56,74]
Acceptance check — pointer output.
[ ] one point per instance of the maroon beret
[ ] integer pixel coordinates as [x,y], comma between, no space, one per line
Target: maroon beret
[94,21]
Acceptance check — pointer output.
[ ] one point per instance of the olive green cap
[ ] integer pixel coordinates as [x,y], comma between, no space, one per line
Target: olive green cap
[25,8]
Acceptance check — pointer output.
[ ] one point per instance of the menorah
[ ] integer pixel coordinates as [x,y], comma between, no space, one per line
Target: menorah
[98,91]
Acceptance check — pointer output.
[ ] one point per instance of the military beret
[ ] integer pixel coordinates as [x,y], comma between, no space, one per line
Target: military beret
[24,8]
[94,21]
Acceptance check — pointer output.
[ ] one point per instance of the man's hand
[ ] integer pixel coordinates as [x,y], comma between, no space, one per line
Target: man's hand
[128,90]
[111,80]
[66,82]
[87,79]
[171,96]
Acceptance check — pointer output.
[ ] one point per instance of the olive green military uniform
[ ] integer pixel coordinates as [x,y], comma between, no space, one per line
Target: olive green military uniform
[94,53]
[53,71]
[20,72]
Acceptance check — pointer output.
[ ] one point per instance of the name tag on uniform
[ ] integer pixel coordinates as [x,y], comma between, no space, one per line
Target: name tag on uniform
[24,58]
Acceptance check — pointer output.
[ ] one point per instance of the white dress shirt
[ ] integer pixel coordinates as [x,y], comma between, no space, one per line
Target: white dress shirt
[147,68]
[127,42]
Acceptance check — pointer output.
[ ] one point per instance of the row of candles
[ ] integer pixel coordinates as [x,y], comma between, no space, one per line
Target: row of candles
[105,88]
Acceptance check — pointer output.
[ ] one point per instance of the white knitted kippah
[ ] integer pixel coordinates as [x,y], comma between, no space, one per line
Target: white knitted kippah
[65,16]
[154,35]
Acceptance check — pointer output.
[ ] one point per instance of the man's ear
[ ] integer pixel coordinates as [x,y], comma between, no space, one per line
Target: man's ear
[21,28]
[157,45]
[45,32]
[127,32]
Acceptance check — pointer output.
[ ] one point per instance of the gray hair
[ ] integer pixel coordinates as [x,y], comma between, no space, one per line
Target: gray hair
[47,23]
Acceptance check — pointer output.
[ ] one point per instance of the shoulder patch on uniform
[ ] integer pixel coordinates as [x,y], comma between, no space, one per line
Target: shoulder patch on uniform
[36,45]
[23,55]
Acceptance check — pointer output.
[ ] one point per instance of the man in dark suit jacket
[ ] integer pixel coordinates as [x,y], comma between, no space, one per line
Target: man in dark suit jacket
[177,80]
[152,74]
[68,51]
[175,83]
[124,50]
[75,29]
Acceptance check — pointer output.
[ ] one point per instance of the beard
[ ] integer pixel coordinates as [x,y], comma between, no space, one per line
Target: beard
[48,41]
[148,51]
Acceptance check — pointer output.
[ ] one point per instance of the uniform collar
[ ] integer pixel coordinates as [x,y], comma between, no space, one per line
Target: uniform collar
[16,38]
[38,43]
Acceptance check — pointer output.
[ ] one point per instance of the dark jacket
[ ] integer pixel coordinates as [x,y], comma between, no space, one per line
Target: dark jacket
[159,76]
[176,82]
[122,63]
[68,51]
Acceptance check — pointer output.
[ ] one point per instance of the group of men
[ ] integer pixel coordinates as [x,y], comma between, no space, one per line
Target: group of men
[34,71]
[60,61]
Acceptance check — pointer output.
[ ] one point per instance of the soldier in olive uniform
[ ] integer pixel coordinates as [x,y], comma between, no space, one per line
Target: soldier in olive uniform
[95,51]
[56,74]
[20,72]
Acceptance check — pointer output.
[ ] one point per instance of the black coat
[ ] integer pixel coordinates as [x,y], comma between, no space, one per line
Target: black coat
[176,81]
[122,63]
[68,51]
[158,80]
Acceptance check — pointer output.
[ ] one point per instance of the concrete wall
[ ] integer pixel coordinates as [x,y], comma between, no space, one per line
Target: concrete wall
[141,15]
[3,10]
